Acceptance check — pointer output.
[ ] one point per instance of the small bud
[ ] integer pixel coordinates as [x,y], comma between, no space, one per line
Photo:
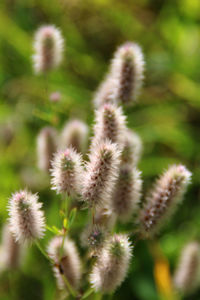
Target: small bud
[11,251]
[132,148]
[127,69]
[127,192]
[112,264]
[75,134]
[67,172]
[55,97]
[100,174]
[163,199]
[67,261]
[48,46]
[26,218]
[187,275]
[46,147]
[109,125]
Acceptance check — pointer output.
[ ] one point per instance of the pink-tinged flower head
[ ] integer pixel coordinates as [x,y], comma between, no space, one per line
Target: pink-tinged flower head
[100,175]
[131,149]
[112,264]
[127,192]
[26,219]
[67,172]
[187,274]
[55,97]
[48,46]
[105,92]
[46,147]
[67,261]
[10,251]
[110,124]
[127,69]
[163,199]
[75,134]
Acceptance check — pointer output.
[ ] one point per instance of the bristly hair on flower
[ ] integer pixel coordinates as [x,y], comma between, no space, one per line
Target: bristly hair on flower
[163,199]
[26,219]
[127,192]
[75,135]
[48,47]
[46,147]
[67,263]
[132,148]
[187,274]
[100,174]
[110,124]
[105,92]
[67,172]
[112,264]
[127,68]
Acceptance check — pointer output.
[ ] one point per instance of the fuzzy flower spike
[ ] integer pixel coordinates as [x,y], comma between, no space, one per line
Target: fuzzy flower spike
[67,172]
[187,274]
[110,124]
[127,70]
[100,175]
[112,264]
[48,46]
[26,218]
[163,199]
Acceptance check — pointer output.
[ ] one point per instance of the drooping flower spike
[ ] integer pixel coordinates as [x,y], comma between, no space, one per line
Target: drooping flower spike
[26,219]
[163,200]
[110,124]
[46,147]
[112,264]
[48,47]
[127,71]
[75,134]
[66,263]
[100,175]
[187,274]
[67,172]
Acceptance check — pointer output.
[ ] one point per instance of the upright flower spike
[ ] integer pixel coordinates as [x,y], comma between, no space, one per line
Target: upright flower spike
[69,264]
[105,92]
[48,47]
[67,172]
[187,274]
[100,174]
[10,251]
[110,124]
[127,69]
[46,147]
[112,264]
[75,134]
[132,148]
[26,218]
[163,199]
[126,194]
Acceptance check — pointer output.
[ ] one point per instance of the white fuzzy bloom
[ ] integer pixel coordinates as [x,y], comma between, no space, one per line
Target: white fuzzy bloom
[48,47]
[46,147]
[75,134]
[187,274]
[112,264]
[100,175]
[10,251]
[127,72]
[67,263]
[26,218]
[127,192]
[67,172]
[132,148]
[163,199]
[106,92]
[110,124]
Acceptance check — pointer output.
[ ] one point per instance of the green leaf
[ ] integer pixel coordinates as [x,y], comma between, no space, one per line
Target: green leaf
[72,216]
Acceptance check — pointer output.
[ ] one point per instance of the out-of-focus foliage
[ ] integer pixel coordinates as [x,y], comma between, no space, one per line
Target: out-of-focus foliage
[166,116]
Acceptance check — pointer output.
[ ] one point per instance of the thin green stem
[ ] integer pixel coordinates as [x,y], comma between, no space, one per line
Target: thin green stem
[43,251]
[69,287]
[87,293]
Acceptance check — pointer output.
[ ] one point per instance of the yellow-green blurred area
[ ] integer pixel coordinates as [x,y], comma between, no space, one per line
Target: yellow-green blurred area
[166,116]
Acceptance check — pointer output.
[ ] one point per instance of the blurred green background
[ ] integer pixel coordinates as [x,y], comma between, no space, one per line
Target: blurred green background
[166,115]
